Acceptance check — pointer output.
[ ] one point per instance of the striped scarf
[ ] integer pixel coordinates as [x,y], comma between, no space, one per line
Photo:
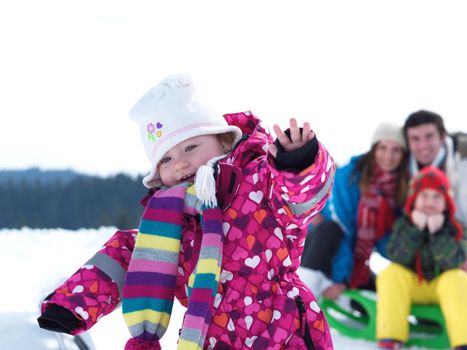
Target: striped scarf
[375,216]
[150,282]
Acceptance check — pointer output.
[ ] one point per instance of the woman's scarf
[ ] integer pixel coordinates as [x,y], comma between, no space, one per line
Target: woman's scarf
[375,216]
[150,282]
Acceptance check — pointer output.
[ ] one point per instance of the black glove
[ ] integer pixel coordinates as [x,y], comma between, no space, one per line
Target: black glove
[59,319]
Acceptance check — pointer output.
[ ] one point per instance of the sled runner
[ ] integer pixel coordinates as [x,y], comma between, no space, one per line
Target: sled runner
[77,342]
[427,326]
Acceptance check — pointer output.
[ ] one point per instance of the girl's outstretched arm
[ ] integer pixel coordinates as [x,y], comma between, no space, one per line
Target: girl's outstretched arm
[301,175]
[93,291]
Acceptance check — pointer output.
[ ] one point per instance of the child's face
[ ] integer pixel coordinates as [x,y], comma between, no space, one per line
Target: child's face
[388,155]
[182,161]
[430,202]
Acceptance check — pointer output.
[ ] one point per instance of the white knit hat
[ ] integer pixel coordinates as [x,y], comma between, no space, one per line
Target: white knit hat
[388,131]
[168,114]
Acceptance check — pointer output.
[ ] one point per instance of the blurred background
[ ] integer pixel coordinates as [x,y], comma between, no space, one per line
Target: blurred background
[70,71]
[70,158]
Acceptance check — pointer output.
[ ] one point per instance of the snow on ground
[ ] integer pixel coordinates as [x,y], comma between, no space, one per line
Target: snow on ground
[34,261]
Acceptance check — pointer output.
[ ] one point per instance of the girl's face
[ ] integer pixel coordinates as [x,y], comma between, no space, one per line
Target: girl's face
[388,155]
[181,162]
[430,202]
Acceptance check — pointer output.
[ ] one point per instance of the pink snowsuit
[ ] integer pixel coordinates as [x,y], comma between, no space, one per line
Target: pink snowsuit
[261,302]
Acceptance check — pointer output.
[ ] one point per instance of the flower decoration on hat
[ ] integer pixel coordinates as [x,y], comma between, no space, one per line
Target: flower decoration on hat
[153,132]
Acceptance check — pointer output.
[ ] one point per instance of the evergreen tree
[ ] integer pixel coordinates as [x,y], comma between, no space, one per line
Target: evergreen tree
[78,201]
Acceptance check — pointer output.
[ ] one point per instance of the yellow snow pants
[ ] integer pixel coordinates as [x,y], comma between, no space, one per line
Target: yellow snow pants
[397,287]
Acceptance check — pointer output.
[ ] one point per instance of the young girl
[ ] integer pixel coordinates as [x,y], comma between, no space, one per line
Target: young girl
[223,230]
[427,247]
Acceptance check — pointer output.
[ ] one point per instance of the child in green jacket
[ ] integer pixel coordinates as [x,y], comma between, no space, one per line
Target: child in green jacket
[426,248]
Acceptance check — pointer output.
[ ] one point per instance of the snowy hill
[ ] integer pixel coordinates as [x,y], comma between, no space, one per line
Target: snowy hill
[34,261]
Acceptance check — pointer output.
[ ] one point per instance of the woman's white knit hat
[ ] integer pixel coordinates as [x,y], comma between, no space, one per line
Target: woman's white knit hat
[388,131]
[168,114]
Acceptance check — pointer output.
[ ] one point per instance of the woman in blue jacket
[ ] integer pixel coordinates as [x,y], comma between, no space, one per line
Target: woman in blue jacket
[366,198]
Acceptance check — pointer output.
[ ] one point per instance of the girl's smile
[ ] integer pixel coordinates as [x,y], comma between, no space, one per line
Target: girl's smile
[182,161]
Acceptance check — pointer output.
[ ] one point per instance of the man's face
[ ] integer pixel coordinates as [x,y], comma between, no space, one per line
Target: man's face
[424,142]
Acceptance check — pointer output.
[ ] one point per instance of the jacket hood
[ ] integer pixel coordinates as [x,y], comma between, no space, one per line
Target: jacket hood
[255,136]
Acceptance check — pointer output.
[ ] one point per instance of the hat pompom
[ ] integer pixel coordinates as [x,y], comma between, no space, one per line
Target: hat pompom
[176,81]
[168,89]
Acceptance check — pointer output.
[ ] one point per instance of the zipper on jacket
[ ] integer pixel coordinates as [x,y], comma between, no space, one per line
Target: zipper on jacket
[304,324]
